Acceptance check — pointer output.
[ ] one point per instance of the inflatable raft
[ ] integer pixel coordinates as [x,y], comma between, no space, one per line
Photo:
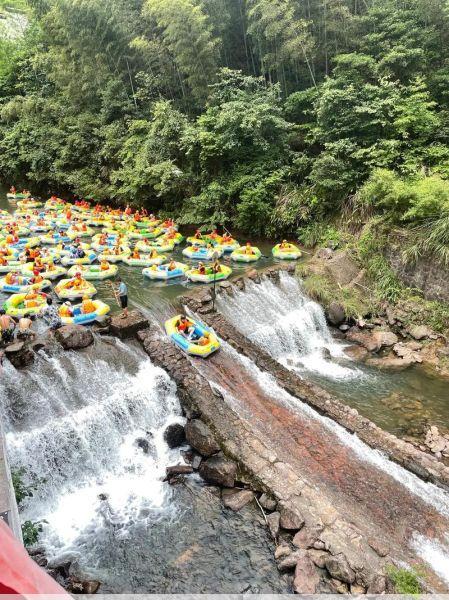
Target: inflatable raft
[86,260]
[290,252]
[92,272]
[209,277]
[143,261]
[240,254]
[80,318]
[162,272]
[202,253]
[191,346]
[20,305]
[71,293]
[23,286]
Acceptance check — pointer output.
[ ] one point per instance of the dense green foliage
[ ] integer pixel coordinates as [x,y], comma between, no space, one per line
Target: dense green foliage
[406,581]
[262,114]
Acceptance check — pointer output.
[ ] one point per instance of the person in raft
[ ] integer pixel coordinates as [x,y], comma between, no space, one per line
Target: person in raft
[284,245]
[123,296]
[185,327]
[248,249]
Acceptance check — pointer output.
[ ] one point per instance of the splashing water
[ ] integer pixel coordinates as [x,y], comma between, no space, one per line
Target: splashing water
[287,324]
[72,423]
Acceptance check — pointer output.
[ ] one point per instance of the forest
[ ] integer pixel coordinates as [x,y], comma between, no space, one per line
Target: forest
[265,115]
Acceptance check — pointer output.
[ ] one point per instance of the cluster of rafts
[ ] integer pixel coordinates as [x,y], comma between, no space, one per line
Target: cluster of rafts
[67,246]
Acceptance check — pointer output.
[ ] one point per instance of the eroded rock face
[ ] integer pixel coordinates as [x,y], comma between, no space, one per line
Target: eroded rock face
[291,518]
[127,328]
[74,337]
[200,437]
[219,470]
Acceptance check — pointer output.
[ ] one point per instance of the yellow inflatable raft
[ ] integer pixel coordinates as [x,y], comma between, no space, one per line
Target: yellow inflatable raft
[64,290]
[288,252]
[92,272]
[241,255]
[20,305]
[80,318]
[194,346]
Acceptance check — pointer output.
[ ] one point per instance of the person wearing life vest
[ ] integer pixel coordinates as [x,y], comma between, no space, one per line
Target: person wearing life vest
[171,266]
[185,327]
[37,277]
[136,254]
[216,267]
[201,269]
[248,249]
[12,190]
[87,306]
[153,253]
[204,339]
[284,245]
[66,309]
[104,265]
[3,261]
[12,278]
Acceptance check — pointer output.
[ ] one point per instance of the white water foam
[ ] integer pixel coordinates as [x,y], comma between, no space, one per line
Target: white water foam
[74,427]
[288,325]
[434,553]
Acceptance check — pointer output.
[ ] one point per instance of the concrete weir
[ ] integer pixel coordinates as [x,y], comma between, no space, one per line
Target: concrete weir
[348,508]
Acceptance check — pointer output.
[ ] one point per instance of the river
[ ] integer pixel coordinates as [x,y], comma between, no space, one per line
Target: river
[72,421]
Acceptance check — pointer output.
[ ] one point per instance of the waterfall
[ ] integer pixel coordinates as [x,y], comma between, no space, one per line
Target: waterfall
[288,325]
[71,423]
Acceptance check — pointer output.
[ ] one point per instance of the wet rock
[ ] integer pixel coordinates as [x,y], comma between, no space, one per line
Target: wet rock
[143,444]
[318,557]
[306,576]
[390,363]
[178,470]
[291,518]
[282,551]
[63,561]
[406,352]
[345,327]
[335,313]
[236,499]
[39,343]
[200,437]
[40,560]
[289,562]
[306,537]
[219,470]
[338,568]
[127,328]
[174,435]
[358,353]
[74,337]
[254,276]
[273,521]
[19,355]
[196,462]
[267,502]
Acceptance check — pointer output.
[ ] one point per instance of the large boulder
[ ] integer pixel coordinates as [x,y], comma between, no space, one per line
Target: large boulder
[390,363]
[73,337]
[174,435]
[335,313]
[200,437]
[19,355]
[219,470]
[364,338]
[126,328]
[306,576]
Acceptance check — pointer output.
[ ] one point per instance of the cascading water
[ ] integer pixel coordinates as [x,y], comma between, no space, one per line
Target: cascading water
[72,422]
[288,325]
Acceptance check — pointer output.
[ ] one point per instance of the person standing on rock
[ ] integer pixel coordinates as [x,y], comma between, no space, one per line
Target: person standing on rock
[51,315]
[26,328]
[122,292]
